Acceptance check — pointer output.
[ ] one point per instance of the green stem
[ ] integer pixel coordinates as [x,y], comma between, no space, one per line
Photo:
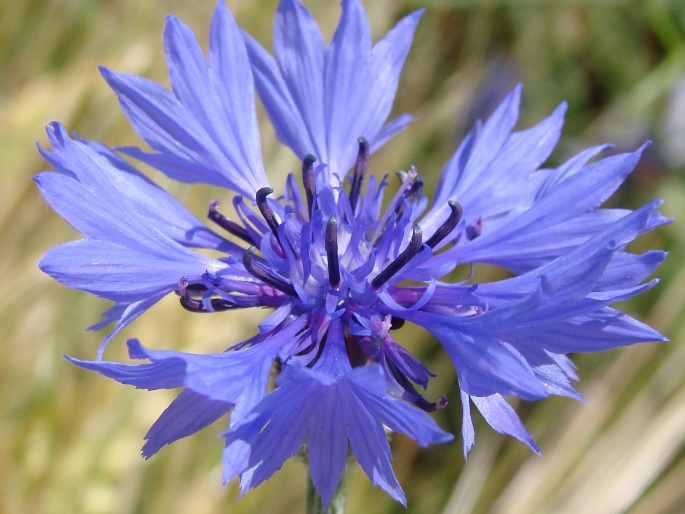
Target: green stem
[337,504]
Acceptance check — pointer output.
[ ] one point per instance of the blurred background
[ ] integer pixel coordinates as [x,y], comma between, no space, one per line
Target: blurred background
[70,440]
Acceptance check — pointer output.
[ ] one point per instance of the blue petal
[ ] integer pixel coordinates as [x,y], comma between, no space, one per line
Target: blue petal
[573,197]
[162,210]
[170,129]
[387,60]
[187,414]
[168,374]
[486,365]
[506,178]
[238,376]
[299,48]
[499,415]
[478,149]
[467,430]
[195,137]
[124,313]
[121,273]
[604,329]
[616,234]
[327,446]
[282,109]
[503,419]
[399,416]
[370,446]
[274,431]
[481,346]
[389,130]
[112,180]
[347,62]
[580,192]
[231,76]
[552,376]
[320,101]
[326,409]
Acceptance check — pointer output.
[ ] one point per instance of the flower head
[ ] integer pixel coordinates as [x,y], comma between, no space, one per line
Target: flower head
[343,259]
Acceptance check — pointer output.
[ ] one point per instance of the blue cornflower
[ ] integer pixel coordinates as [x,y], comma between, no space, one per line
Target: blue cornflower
[345,259]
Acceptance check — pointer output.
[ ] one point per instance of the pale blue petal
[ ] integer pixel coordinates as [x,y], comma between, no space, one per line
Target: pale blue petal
[501,417]
[327,445]
[121,273]
[188,128]
[399,416]
[158,207]
[186,415]
[231,77]
[282,109]
[346,71]
[370,446]
[467,431]
[299,49]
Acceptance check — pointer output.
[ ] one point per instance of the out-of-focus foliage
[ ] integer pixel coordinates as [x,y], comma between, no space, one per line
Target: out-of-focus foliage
[69,440]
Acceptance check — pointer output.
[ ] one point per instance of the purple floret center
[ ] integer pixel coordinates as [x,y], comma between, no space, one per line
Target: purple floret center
[333,256]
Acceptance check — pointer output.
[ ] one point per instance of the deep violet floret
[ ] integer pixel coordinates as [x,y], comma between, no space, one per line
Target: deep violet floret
[343,259]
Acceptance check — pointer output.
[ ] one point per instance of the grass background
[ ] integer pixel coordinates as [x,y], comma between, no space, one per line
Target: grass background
[69,440]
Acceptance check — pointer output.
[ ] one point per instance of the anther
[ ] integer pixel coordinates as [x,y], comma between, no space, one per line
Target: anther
[193,305]
[410,195]
[408,178]
[448,226]
[415,190]
[473,231]
[308,180]
[186,289]
[410,392]
[266,211]
[360,168]
[410,251]
[218,304]
[396,323]
[257,272]
[332,251]
[228,225]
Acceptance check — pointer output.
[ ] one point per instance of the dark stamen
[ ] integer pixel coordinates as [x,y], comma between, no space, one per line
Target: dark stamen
[396,323]
[257,272]
[410,392]
[410,195]
[228,225]
[475,230]
[359,171]
[218,304]
[266,211]
[448,226]
[410,251]
[415,190]
[332,251]
[319,351]
[308,180]
[354,351]
[190,289]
